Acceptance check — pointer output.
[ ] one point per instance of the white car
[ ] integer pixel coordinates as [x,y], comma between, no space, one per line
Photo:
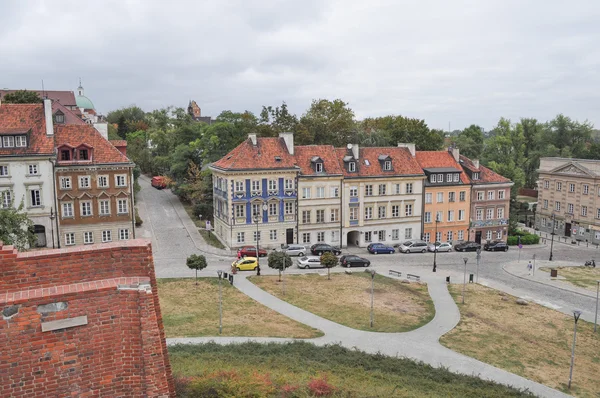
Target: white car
[441,247]
[295,250]
[309,262]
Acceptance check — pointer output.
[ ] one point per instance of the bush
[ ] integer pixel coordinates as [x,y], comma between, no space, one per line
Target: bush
[138,219]
[526,239]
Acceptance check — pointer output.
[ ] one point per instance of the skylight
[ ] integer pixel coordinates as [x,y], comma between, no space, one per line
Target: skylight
[367,162]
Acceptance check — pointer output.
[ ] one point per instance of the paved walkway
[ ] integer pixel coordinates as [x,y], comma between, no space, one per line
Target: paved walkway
[421,344]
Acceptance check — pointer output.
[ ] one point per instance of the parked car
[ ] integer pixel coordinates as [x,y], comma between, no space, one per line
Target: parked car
[309,262]
[496,246]
[413,246]
[321,248]
[158,182]
[354,261]
[467,247]
[439,247]
[245,264]
[376,248]
[250,251]
[294,250]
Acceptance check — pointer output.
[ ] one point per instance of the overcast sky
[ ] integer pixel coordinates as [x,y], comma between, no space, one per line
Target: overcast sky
[458,62]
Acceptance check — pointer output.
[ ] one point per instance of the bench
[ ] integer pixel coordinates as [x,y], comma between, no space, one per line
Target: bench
[415,277]
[396,273]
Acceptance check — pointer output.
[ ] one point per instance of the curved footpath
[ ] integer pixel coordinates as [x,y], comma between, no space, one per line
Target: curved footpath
[421,344]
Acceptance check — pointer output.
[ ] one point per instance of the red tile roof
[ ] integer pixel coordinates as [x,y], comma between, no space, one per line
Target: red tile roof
[438,159]
[262,156]
[485,175]
[70,116]
[403,163]
[305,153]
[66,98]
[118,143]
[75,135]
[26,117]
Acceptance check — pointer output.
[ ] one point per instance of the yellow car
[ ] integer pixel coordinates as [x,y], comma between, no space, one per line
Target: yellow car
[245,264]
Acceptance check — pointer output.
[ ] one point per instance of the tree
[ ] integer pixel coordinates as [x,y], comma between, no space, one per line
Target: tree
[16,228]
[328,123]
[22,97]
[196,262]
[470,141]
[329,260]
[279,261]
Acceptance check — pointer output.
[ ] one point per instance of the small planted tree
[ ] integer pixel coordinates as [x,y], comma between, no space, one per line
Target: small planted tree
[279,261]
[329,260]
[16,228]
[196,262]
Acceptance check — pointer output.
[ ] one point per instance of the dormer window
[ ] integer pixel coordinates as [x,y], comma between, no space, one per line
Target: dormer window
[456,177]
[319,167]
[59,117]
[432,178]
[387,165]
[352,167]
[83,154]
[65,154]
[476,176]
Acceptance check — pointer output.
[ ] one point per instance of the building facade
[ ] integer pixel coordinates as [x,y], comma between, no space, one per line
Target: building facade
[569,198]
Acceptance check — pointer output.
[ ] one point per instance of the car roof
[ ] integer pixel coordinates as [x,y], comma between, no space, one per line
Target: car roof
[247,258]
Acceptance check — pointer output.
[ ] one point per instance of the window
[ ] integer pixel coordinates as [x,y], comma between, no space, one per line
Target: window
[545,203]
[456,177]
[598,213]
[449,177]
[239,186]
[408,210]
[106,236]
[381,212]
[122,206]
[334,215]
[67,210]
[407,233]
[488,235]
[501,194]
[583,212]
[335,192]
[239,210]
[8,141]
[3,170]
[351,166]
[65,182]
[353,213]
[368,190]
[451,196]
[84,181]
[476,176]
[320,216]
[432,178]
[571,187]
[88,238]
[20,141]
[353,192]
[255,185]
[395,211]
[450,236]
[334,236]
[387,165]
[427,217]
[65,154]
[489,214]
[289,184]
[397,189]
[570,208]
[460,235]
[273,234]
[586,189]
[319,167]
[256,236]
[368,213]
[305,216]
[33,169]
[382,188]
[289,207]
[381,235]
[320,236]
[241,237]
[438,236]
[69,239]
[121,180]
[461,215]
[491,195]
[450,215]
[409,187]
[273,208]
[395,234]
[256,209]
[440,178]
[428,198]
[306,193]
[306,237]
[440,197]
[36,198]
[102,181]
[320,192]
[6,199]
[86,208]
[479,195]
[427,237]
[546,184]
[479,214]
[104,207]
[462,196]
[439,216]
[500,212]
[557,206]
[368,236]
[123,234]
[272,185]
[559,186]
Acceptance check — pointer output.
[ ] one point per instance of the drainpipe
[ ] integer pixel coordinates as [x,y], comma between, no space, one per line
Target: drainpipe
[53,161]
[341,212]
[423,208]
[131,189]
[297,215]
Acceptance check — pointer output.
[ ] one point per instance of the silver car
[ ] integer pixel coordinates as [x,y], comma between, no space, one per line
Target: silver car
[309,262]
[413,246]
[294,250]
[441,247]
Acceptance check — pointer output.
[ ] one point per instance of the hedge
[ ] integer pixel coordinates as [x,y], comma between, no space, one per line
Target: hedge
[526,239]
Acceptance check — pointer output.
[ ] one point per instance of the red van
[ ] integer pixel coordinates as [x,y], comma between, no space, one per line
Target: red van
[158,182]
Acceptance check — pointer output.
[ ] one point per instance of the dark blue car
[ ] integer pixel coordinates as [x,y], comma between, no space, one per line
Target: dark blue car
[376,248]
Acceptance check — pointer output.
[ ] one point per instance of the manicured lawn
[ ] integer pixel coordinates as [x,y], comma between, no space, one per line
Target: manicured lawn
[302,369]
[346,299]
[531,341]
[209,237]
[189,311]
[585,277]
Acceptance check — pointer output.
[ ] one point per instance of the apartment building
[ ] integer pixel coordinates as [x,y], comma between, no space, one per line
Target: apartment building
[569,194]
[447,199]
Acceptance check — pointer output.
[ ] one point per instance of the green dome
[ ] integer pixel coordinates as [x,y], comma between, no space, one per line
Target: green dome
[84,102]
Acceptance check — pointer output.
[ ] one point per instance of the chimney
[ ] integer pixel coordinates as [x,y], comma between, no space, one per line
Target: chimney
[48,115]
[454,151]
[476,163]
[252,138]
[355,151]
[411,148]
[288,138]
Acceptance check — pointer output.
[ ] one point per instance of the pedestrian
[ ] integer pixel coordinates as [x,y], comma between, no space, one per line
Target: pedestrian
[529,267]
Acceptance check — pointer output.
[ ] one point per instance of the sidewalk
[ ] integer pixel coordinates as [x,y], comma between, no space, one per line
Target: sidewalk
[421,344]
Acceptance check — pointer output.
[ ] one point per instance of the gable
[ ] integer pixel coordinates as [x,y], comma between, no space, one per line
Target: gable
[572,169]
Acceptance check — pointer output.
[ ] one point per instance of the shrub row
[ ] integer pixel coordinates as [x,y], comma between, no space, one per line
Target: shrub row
[526,239]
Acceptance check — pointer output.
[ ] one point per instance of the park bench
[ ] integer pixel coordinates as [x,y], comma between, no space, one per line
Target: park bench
[395,273]
[415,277]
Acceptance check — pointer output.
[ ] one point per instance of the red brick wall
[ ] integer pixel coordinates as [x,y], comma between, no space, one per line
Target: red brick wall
[121,351]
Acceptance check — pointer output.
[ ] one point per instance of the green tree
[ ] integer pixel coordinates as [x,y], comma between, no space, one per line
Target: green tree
[279,261]
[327,122]
[470,141]
[22,97]
[406,130]
[329,260]
[122,127]
[196,262]
[16,228]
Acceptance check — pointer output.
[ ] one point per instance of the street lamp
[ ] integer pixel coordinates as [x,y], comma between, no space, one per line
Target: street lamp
[465,280]
[576,315]
[435,245]
[373,272]
[596,316]
[257,217]
[553,228]
[52,217]
[219,272]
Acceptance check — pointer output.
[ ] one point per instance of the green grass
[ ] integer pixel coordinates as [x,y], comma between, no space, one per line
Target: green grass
[209,237]
[300,369]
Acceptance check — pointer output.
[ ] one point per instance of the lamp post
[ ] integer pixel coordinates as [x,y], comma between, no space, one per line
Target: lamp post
[478,259]
[465,280]
[435,245]
[256,220]
[576,315]
[52,217]
[373,272]
[596,316]
[219,272]
[553,227]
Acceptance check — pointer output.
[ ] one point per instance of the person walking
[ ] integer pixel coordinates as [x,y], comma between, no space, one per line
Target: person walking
[529,267]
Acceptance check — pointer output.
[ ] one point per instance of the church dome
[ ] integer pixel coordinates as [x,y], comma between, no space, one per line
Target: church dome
[84,102]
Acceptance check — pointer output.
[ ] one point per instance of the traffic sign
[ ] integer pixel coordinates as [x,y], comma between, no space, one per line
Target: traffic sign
[520,246]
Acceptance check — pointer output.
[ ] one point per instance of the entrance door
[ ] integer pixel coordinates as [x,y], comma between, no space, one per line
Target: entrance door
[478,237]
[289,236]
[567,229]
[40,233]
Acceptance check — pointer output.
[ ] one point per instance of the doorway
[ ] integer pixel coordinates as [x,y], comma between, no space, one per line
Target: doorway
[478,237]
[567,229]
[289,236]
[40,234]
[353,238]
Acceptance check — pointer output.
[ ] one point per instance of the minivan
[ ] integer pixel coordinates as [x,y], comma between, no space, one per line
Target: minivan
[294,250]
[413,246]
